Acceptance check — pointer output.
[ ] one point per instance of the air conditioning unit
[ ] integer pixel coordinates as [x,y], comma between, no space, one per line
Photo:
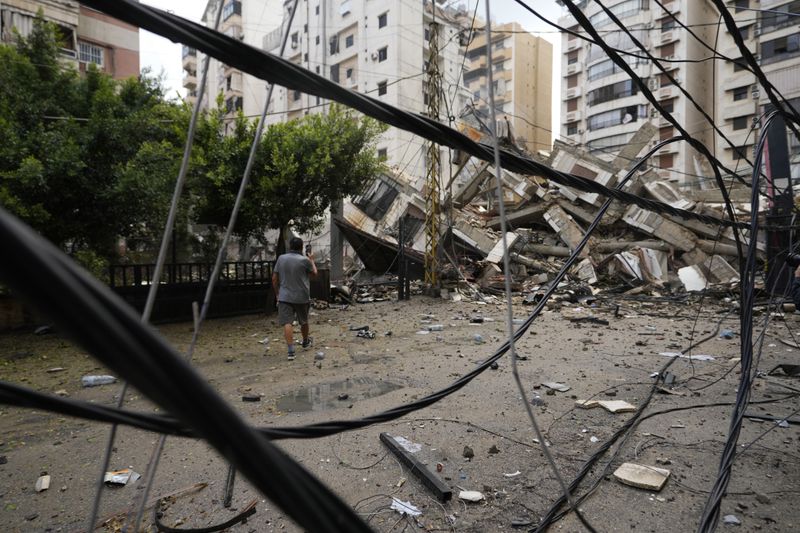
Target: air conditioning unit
[757,30]
[374,56]
[652,84]
[756,95]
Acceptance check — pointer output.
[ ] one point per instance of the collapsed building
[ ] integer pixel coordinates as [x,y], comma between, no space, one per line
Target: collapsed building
[631,249]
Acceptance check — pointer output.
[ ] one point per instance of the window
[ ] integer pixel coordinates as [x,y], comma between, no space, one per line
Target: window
[668,50]
[667,24]
[572,57]
[348,73]
[376,200]
[334,44]
[614,117]
[316,40]
[344,8]
[383,54]
[740,152]
[572,128]
[295,40]
[740,93]
[412,223]
[574,29]
[745,32]
[664,80]
[620,10]
[609,145]
[740,123]
[295,96]
[780,16]
[228,83]
[668,105]
[348,41]
[383,19]
[666,161]
[316,9]
[780,48]
[611,92]
[316,69]
[572,81]
[427,34]
[741,5]
[232,104]
[231,8]
[572,105]
[607,68]
[89,53]
[305,28]
[305,57]
[665,133]
[381,88]
[382,154]
[335,73]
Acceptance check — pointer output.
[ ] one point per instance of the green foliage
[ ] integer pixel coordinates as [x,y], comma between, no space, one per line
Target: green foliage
[301,167]
[85,160]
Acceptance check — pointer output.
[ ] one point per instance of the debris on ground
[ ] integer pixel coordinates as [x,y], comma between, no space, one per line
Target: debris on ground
[405,507]
[96,381]
[121,477]
[641,476]
[470,496]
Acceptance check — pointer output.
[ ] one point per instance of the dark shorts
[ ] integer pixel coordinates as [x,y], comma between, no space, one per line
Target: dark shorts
[287,312]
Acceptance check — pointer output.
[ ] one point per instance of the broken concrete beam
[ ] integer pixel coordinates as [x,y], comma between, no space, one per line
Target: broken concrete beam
[568,230]
[577,211]
[542,266]
[427,477]
[473,236]
[626,157]
[693,278]
[720,270]
[471,187]
[496,253]
[658,226]
[644,264]
[521,217]
[668,194]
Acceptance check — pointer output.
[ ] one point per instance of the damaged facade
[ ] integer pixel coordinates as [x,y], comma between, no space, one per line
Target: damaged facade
[632,249]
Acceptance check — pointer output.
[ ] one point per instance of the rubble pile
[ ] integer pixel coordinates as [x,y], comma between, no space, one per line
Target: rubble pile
[632,250]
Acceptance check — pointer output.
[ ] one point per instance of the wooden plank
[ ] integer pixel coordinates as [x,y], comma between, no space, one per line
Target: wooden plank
[429,479]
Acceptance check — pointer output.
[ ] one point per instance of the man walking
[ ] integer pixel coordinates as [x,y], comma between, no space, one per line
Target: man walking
[290,281]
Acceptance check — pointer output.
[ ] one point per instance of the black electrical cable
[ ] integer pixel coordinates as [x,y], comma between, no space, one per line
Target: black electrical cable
[108,328]
[710,516]
[276,70]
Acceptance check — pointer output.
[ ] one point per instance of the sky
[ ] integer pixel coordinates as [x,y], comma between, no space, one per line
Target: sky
[163,57]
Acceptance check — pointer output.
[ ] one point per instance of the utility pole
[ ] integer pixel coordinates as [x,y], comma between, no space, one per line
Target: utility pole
[781,203]
[433,177]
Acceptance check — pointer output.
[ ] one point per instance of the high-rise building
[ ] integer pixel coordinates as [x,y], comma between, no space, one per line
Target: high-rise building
[88,36]
[522,70]
[379,48]
[248,21]
[602,107]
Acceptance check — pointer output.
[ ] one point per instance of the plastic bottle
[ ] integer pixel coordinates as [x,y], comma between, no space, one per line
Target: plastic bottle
[94,381]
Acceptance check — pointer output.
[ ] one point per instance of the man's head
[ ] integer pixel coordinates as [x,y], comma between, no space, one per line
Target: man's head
[296,244]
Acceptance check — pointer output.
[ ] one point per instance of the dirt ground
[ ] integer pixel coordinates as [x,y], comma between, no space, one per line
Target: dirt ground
[609,362]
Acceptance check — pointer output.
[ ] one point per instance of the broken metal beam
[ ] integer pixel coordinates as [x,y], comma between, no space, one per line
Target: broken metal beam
[428,478]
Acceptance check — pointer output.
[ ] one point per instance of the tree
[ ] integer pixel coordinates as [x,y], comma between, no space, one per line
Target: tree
[85,159]
[301,167]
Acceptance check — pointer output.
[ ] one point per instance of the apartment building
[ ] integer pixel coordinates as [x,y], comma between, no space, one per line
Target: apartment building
[602,108]
[379,48]
[88,36]
[522,70]
[248,21]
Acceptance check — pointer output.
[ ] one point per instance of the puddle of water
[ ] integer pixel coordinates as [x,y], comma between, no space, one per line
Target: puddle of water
[325,396]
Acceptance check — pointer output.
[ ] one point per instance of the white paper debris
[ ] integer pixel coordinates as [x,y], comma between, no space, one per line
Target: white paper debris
[692,357]
[515,474]
[470,495]
[405,507]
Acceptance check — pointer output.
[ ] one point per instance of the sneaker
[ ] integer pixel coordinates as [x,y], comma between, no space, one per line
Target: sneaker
[290,357]
[307,342]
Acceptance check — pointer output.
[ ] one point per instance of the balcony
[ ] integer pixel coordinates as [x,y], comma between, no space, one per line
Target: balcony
[190,80]
[572,69]
[573,116]
[667,37]
[272,40]
[574,44]
[572,92]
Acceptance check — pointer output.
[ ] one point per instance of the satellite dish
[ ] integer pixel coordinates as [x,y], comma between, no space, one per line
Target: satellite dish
[627,118]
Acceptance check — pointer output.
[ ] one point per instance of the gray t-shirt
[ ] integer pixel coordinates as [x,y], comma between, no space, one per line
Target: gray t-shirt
[293,269]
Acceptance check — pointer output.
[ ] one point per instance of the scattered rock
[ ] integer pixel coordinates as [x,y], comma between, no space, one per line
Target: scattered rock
[763,498]
[468,453]
[493,450]
[731,520]
[642,476]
